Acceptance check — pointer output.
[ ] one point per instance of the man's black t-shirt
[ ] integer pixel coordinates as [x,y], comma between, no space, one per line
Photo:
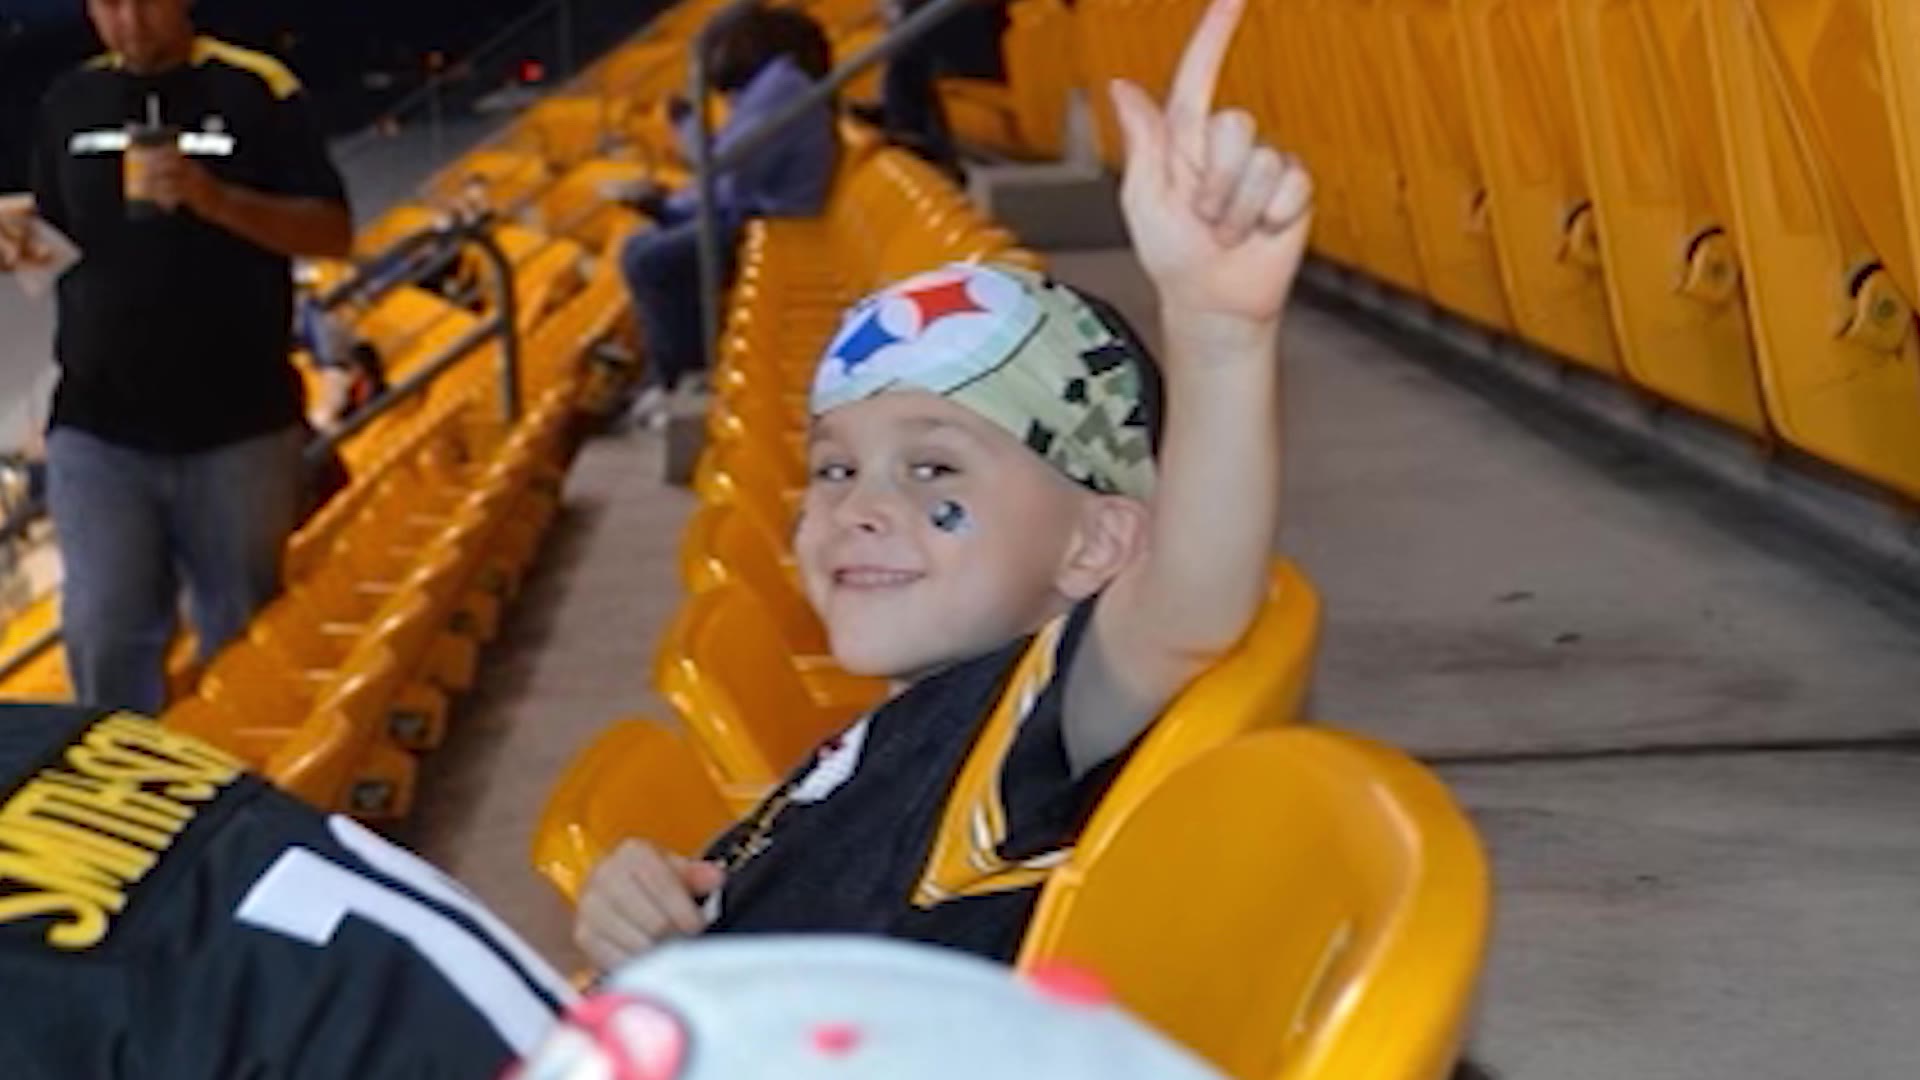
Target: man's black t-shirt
[173,333]
[937,818]
[164,914]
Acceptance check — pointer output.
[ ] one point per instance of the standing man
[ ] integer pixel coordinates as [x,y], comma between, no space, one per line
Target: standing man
[174,445]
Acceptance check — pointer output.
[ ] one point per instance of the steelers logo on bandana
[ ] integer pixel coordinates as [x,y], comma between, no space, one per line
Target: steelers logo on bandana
[938,331]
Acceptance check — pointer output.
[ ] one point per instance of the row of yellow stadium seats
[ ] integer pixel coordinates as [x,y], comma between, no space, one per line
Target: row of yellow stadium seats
[1717,201]
[354,667]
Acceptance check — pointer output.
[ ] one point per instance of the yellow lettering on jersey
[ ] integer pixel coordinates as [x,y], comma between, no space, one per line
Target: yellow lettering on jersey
[86,923]
[138,751]
[73,840]
[28,857]
[55,796]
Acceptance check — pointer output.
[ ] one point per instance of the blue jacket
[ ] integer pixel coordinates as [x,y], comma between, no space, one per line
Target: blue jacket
[789,176]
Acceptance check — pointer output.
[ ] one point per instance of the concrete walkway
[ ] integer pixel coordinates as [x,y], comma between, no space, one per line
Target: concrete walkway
[1497,585]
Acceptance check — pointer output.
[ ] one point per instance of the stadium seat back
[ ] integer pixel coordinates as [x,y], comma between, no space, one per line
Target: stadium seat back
[1293,904]
[725,667]
[1262,682]
[636,780]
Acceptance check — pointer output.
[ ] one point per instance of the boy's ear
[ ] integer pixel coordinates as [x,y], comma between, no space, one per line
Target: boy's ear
[1111,534]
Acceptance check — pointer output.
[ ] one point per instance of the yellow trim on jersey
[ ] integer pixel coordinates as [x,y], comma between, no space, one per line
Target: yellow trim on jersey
[80,833]
[279,79]
[109,61]
[966,851]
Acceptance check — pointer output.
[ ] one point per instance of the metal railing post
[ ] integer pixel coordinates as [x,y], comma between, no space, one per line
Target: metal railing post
[706,223]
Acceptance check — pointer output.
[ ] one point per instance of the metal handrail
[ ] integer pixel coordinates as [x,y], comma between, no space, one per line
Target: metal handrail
[504,327]
[708,166]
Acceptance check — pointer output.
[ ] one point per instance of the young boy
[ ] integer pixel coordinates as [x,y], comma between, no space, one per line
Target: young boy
[987,524]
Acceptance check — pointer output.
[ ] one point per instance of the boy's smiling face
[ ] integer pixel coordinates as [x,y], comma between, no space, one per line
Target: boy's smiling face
[930,536]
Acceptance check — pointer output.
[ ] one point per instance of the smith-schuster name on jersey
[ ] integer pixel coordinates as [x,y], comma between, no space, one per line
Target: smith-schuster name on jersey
[163,913]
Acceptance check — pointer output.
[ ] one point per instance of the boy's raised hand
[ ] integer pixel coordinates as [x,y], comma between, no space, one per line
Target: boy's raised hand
[1219,221]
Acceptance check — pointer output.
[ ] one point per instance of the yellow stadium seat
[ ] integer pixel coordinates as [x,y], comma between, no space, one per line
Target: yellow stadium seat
[1543,212]
[1328,921]
[394,226]
[637,780]
[732,550]
[1261,682]
[1351,31]
[1446,188]
[1643,91]
[725,670]
[1817,105]
[1298,82]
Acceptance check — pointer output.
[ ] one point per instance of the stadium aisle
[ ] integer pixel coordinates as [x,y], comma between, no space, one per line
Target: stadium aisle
[1494,586]
[577,653]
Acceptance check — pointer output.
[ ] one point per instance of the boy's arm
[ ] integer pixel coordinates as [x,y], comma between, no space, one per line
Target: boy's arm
[1221,226]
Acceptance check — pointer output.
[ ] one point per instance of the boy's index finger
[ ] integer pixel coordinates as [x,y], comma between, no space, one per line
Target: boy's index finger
[1190,102]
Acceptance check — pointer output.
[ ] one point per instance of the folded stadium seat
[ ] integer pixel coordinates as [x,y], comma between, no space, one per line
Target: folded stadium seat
[760,419]
[576,205]
[636,780]
[1041,70]
[321,760]
[567,129]
[1424,77]
[250,704]
[724,548]
[726,672]
[1827,220]
[747,476]
[643,71]
[299,644]
[43,676]
[847,44]
[380,781]
[395,225]
[1643,90]
[1545,223]
[1345,914]
[512,178]
[1351,39]
[308,547]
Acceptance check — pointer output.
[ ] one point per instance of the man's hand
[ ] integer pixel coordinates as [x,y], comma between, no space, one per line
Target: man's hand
[638,898]
[176,181]
[18,248]
[1219,221]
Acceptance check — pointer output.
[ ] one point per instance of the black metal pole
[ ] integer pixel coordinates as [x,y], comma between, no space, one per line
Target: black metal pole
[706,224]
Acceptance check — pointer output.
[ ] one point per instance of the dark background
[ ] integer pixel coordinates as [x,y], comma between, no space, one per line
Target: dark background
[357,57]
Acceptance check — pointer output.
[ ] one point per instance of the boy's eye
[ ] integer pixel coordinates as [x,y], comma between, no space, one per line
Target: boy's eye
[833,473]
[929,471]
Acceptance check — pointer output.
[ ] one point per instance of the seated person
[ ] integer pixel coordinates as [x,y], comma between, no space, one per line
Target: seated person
[163,913]
[760,63]
[966,45]
[986,523]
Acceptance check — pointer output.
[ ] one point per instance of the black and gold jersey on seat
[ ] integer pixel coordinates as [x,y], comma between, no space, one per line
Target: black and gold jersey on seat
[164,913]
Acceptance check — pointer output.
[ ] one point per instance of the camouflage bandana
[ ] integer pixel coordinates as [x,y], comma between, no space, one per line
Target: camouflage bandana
[1026,353]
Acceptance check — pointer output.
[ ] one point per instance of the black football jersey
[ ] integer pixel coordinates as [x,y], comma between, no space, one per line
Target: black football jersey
[164,913]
